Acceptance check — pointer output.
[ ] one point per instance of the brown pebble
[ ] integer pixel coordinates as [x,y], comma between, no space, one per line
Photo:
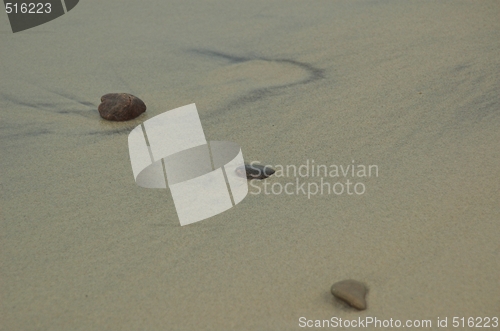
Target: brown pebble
[352,292]
[255,171]
[120,107]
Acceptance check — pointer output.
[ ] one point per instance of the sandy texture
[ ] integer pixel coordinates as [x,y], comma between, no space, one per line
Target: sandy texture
[412,87]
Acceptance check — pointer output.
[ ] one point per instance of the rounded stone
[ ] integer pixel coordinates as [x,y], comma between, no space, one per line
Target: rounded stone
[120,107]
[350,291]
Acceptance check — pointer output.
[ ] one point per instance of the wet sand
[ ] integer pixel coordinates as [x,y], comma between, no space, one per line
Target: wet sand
[409,87]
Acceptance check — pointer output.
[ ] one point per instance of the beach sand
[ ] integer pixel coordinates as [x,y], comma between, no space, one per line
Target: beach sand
[411,87]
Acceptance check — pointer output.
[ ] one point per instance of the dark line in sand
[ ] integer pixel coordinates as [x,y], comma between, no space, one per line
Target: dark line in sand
[26,134]
[72,98]
[215,54]
[109,133]
[260,93]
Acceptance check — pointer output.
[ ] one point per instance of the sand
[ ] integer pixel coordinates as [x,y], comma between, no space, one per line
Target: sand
[411,87]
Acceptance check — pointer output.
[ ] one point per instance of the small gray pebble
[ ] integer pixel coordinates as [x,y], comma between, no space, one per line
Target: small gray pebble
[352,292]
[255,171]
